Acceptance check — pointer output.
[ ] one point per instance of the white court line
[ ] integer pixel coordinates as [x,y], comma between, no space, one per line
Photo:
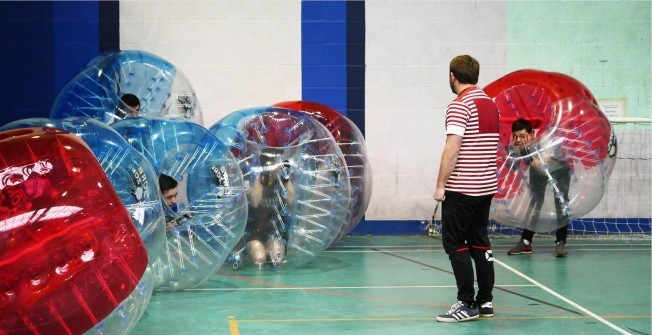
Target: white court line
[493,245]
[568,301]
[493,248]
[338,287]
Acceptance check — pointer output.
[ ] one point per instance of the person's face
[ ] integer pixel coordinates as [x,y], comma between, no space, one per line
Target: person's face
[135,111]
[170,196]
[521,138]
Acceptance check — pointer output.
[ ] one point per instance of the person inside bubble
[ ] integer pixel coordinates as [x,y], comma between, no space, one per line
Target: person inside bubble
[129,106]
[170,189]
[545,166]
[269,197]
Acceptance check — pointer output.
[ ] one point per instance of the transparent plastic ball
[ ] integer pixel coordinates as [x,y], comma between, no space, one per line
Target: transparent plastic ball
[210,212]
[106,87]
[65,233]
[124,318]
[351,142]
[563,173]
[131,175]
[298,185]
[135,182]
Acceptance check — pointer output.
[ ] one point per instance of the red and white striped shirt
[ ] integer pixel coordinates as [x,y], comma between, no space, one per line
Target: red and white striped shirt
[474,116]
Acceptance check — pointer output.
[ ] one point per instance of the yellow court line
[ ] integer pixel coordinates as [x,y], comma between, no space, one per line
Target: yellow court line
[432,318]
[233,325]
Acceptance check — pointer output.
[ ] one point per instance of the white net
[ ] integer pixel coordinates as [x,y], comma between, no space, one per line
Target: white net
[625,211]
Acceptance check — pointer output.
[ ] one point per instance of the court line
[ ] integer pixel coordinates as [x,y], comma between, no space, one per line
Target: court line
[493,248]
[430,318]
[495,286]
[337,287]
[507,243]
[437,243]
[233,325]
[568,301]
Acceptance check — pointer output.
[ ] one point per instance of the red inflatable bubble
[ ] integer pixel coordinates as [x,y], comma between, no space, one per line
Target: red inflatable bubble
[69,253]
[556,103]
[568,123]
[275,129]
[327,116]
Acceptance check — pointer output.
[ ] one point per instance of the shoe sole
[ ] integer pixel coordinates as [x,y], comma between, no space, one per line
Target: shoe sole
[486,315]
[519,253]
[455,320]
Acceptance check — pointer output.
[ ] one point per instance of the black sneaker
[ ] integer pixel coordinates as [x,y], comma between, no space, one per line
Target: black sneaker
[459,312]
[560,249]
[487,310]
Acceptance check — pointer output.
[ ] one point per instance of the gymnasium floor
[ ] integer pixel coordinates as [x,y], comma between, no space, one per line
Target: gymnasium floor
[396,285]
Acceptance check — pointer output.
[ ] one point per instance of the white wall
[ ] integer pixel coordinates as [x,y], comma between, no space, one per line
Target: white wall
[409,45]
[236,54]
[247,53]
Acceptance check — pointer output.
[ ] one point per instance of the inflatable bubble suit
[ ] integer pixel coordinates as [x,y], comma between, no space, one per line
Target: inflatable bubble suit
[212,207]
[298,184]
[135,182]
[97,89]
[69,252]
[351,142]
[572,138]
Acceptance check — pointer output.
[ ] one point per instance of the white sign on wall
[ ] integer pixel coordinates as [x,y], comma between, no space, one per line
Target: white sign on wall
[612,108]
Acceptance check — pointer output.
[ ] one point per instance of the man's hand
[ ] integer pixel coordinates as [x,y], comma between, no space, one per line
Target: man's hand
[439,194]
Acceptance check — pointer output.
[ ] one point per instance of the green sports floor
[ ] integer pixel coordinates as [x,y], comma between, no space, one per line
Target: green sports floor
[397,285]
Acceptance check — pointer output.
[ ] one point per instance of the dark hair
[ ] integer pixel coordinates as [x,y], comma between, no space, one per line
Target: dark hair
[269,155]
[166,182]
[521,124]
[130,100]
[466,69]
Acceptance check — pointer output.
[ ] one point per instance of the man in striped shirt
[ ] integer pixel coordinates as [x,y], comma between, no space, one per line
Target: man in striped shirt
[466,184]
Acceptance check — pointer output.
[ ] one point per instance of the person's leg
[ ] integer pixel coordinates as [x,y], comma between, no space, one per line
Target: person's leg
[562,207]
[480,249]
[537,185]
[562,177]
[276,250]
[456,215]
[256,252]
[527,235]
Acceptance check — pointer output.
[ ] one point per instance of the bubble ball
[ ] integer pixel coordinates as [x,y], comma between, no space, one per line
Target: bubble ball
[298,184]
[131,175]
[351,142]
[63,234]
[124,318]
[135,182]
[573,138]
[97,90]
[211,208]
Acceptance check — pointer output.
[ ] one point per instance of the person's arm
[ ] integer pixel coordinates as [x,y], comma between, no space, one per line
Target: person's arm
[537,163]
[537,158]
[256,193]
[291,194]
[447,165]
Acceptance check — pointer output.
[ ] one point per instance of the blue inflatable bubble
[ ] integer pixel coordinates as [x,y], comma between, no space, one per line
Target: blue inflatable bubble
[352,144]
[100,90]
[135,182]
[298,185]
[209,214]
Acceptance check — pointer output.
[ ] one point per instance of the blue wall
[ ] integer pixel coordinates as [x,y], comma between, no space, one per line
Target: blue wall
[43,45]
[333,56]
